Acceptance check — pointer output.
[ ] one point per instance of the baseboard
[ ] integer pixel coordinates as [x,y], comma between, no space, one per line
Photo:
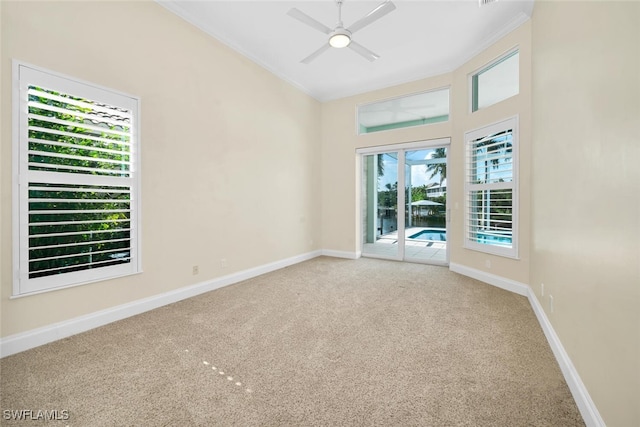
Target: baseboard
[587,408]
[492,279]
[341,254]
[20,342]
[579,392]
[36,337]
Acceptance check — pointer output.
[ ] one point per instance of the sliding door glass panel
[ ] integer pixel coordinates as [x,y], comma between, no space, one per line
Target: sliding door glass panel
[380,216]
[426,201]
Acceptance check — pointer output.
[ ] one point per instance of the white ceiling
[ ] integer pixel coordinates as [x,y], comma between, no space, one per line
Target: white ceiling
[420,38]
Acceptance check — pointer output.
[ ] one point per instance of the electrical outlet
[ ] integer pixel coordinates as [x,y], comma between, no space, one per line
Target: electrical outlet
[196,270]
[487,263]
[223,263]
[541,289]
[551,303]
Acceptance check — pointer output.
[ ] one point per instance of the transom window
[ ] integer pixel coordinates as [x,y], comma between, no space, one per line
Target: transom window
[496,82]
[76,195]
[406,111]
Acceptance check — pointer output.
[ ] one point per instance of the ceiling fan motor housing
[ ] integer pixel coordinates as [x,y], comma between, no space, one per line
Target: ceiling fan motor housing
[340,38]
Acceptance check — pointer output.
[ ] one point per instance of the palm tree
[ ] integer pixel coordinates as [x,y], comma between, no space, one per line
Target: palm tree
[438,168]
[391,194]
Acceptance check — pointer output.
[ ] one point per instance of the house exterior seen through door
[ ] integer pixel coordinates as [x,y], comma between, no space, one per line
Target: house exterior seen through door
[408,225]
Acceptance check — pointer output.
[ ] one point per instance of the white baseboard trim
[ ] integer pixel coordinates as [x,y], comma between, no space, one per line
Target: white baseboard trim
[500,282]
[587,408]
[578,390]
[36,337]
[341,254]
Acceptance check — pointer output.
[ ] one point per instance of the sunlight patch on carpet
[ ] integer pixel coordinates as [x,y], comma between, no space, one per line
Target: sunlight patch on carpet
[221,372]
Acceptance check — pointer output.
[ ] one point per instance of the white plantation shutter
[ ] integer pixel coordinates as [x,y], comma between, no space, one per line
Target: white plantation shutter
[491,189]
[78,182]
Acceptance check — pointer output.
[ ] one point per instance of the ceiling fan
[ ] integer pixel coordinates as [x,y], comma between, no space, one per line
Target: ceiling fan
[339,36]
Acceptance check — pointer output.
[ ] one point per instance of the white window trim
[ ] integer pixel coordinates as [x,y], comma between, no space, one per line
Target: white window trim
[510,123]
[22,286]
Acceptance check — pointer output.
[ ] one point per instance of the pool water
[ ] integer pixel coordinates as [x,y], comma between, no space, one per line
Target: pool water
[436,235]
[431,235]
[491,239]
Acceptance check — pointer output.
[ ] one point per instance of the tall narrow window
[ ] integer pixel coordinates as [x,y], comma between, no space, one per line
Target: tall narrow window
[76,194]
[491,189]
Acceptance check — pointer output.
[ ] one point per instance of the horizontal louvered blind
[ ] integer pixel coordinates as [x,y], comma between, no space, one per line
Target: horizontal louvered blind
[77,227]
[78,185]
[490,191]
[491,217]
[491,160]
[73,135]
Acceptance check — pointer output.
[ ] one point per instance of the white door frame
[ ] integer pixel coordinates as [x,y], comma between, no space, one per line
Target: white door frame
[401,149]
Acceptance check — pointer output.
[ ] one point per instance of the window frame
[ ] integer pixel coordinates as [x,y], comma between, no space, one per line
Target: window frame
[473,78]
[24,75]
[470,137]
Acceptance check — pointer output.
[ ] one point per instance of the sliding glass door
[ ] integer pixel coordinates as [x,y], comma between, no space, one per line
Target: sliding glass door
[426,212]
[411,223]
[380,231]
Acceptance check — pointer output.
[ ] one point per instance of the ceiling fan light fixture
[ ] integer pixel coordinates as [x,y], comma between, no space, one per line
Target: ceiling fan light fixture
[340,38]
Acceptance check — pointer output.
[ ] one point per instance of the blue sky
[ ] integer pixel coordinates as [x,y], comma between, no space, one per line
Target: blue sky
[419,174]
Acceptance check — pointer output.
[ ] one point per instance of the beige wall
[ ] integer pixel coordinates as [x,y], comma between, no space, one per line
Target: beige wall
[237,164]
[230,153]
[586,192]
[465,121]
[341,197]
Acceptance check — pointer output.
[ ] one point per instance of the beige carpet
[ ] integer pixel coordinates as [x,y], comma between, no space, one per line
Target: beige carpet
[327,342]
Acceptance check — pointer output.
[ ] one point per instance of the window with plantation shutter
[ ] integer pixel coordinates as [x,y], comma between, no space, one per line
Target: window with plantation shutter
[76,199]
[491,189]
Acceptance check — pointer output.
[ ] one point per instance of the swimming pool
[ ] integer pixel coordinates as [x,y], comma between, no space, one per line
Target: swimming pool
[431,234]
[492,239]
[440,235]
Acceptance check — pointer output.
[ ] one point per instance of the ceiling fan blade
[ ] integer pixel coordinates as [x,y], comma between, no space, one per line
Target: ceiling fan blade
[375,14]
[306,19]
[366,53]
[315,54]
